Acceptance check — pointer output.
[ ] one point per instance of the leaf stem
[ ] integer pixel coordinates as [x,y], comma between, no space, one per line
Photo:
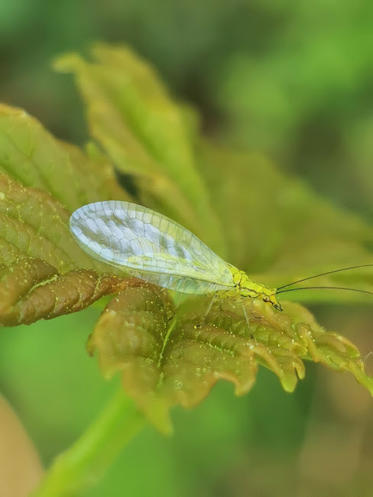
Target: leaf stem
[86,460]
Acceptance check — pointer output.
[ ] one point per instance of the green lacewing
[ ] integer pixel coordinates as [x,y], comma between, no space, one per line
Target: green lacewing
[149,245]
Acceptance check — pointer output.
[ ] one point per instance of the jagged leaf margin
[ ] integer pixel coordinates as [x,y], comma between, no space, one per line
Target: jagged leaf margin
[171,356]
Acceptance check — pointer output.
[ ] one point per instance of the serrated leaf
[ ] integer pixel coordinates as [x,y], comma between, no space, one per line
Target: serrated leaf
[31,289]
[169,357]
[279,230]
[145,133]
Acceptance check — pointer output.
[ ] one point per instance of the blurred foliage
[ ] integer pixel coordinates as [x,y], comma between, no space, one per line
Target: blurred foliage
[287,231]
[17,454]
[319,443]
[305,98]
[289,78]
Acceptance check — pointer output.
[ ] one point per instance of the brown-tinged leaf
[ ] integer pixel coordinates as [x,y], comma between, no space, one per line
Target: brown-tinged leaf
[31,289]
[34,224]
[169,357]
[43,272]
[146,134]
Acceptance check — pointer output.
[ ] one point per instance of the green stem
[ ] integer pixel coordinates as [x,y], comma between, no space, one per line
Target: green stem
[83,464]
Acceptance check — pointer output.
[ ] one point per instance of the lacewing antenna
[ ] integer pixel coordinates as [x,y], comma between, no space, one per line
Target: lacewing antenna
[324,274]
[325,288]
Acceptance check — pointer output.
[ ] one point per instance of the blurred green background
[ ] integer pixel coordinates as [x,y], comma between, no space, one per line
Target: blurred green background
[292,80]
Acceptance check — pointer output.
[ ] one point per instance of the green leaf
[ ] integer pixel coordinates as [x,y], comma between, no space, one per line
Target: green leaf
[169,357]
[145,134]
[279,230]
[33,157]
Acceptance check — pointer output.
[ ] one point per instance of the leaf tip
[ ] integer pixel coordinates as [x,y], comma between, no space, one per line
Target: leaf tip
[67,62]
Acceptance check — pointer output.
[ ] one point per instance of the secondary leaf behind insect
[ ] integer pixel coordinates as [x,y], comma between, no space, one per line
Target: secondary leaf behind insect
[169,357]
[145,134]
[279,230]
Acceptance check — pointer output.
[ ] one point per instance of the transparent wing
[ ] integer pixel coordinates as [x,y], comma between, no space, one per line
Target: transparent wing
[149,245]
